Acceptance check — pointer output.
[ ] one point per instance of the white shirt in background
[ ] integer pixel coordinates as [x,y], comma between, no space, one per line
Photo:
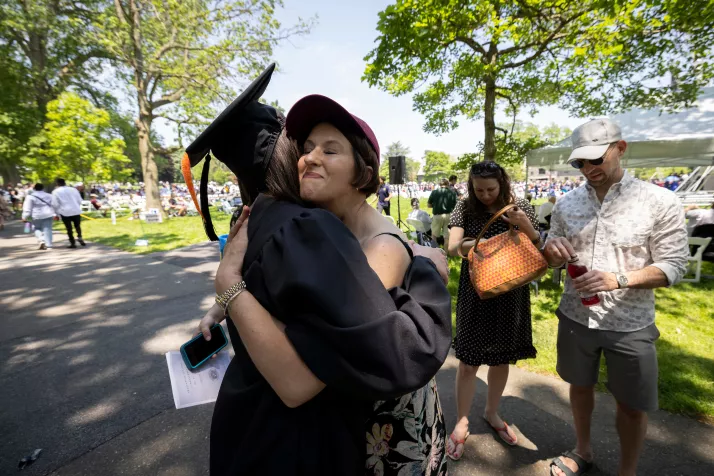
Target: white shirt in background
[422,216]
[67,201]
[545,210]
[698,217]
[38,206]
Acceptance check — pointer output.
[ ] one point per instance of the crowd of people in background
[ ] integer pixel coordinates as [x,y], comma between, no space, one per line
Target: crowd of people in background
[176,199]
[122,197]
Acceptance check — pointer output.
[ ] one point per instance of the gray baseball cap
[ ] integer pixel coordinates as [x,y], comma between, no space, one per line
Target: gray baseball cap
[591,140]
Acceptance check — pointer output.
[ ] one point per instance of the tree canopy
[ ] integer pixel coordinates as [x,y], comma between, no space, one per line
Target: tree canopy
[437,165]
[46,47]
[522,137]
[77,143]
[464,58]
[179,59]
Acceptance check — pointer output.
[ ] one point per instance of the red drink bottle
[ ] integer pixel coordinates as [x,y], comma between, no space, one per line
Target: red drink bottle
[575,269]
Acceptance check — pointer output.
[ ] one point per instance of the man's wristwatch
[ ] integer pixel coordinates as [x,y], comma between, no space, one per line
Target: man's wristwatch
[621,280]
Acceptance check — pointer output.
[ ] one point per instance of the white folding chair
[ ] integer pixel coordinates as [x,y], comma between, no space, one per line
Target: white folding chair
[695,261]
[85,206]
[390,219]
[419,227]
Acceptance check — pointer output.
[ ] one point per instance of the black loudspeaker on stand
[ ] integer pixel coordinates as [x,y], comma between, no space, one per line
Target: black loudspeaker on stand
[397,173]
[397,170]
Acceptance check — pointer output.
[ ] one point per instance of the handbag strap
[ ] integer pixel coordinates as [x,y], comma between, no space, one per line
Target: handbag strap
[493,220]
[43,201]
[486,227]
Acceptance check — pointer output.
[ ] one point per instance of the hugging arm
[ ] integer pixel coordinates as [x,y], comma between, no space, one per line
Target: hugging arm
[343,325]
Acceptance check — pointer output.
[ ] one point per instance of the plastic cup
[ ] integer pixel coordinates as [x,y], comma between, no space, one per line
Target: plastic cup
[222,240]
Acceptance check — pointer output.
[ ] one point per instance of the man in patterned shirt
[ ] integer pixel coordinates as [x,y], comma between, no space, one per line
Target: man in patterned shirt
[631,236]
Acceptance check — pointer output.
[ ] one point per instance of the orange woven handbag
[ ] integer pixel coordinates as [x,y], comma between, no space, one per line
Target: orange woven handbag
[504,262]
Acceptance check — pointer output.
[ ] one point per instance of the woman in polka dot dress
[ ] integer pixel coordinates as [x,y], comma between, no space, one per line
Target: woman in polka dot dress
[494,332]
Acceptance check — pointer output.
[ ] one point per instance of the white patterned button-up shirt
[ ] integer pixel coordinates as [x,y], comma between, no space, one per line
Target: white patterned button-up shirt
[637,225]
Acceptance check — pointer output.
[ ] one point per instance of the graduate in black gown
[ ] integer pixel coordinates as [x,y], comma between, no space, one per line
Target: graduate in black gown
[306,269]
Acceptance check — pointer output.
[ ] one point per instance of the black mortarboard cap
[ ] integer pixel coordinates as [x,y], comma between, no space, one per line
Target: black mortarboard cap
[243,137]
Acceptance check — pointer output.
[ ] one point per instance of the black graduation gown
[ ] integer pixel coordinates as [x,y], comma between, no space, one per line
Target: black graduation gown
[365,343]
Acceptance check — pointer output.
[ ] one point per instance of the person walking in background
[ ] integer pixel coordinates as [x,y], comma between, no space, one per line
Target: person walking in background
[384,194]
[5,212]
[442,202]
[14,200]
[38,207]
[68,203]
[80,189]
[497,331]
[452,183]
[631,236]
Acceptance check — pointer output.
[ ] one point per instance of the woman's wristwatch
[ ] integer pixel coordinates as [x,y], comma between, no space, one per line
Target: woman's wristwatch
[225,298]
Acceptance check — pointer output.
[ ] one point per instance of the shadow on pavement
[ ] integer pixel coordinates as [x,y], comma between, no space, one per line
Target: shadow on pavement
[82,340]
[539,412]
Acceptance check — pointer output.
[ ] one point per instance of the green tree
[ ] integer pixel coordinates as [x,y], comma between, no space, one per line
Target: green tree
[522,137]
[46,47]
[591,56]
[56,43]
[437,165]
[19,117]
[179,58]
[660,172]
[413,167]
[76,142]
[220,173]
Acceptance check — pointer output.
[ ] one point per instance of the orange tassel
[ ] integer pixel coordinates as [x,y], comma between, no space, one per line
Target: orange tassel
[188,178]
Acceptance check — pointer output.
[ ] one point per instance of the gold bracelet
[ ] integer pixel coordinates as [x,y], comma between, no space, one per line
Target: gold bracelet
[229,295]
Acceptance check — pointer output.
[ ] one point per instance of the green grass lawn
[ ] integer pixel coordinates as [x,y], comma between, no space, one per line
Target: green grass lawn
[172,233]
[685,349]
[685,318]
[685,313]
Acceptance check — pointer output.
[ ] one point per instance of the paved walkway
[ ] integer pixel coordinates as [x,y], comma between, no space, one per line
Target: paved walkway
[82,340]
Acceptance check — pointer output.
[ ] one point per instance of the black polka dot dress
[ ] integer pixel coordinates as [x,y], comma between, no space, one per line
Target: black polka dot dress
[495,331]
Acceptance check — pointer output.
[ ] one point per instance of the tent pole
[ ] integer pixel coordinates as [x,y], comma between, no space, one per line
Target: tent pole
[682,186]
[700,180]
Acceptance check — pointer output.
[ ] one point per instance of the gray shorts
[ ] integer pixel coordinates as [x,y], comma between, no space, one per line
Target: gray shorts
[631,361]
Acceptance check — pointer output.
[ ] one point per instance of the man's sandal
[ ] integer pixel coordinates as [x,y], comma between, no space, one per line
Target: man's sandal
[456,454]
[583,466]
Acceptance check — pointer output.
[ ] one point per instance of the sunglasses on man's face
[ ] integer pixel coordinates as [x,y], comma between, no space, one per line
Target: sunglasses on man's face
[580,163]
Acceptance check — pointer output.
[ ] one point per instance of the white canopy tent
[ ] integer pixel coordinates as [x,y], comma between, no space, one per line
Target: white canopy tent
[684,139]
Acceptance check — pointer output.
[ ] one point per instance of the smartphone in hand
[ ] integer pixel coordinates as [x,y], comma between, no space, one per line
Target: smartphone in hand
[198,350]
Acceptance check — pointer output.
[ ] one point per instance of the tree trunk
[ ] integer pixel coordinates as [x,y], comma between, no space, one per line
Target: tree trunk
[38,61]
[149,170]
[9,174]
[489,149]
